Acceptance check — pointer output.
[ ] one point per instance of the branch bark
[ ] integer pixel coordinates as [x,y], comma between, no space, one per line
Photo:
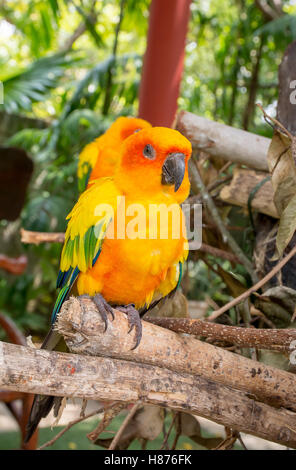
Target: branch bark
[83,331]
[98,378]
[273,339]
[269,13]
[41,237]
[165,370]
[223,141]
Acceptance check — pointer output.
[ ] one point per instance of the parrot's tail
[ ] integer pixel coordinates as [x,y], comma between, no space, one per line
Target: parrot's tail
[40,409]
[42,404]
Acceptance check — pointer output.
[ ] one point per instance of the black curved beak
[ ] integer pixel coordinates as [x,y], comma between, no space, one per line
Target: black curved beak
[173,170]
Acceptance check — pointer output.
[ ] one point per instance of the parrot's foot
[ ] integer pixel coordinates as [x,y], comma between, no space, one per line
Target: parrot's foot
[103,307]
[134,321]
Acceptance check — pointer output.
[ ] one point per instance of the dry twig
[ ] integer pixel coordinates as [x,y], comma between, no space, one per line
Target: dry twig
[69,426]
[198,185]
[255,287]
[110,412]
[127,419]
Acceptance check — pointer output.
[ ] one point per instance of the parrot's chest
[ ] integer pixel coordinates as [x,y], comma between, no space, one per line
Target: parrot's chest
[139,249]
[146,237]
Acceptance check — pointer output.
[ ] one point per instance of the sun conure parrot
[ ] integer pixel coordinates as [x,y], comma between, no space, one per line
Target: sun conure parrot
[129,273]
[100,157]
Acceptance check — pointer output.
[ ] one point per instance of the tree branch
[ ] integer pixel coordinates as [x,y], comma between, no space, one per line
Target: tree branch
[127,419]
[166,369]
[83,331]
[13,265]
[223,141]
[273,339]
[39,371]
[41,237]
[218,253]
[69,426]
[255,287]
[268,12]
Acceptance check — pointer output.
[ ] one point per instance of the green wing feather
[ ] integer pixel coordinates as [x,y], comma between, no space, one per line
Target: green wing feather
[88,222]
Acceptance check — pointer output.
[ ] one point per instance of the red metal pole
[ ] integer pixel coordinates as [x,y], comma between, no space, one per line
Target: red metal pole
[163,61]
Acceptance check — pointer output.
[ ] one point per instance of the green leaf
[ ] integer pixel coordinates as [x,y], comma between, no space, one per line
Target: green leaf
[34,83]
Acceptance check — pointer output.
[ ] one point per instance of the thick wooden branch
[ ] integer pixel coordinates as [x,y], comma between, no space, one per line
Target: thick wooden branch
[272,339]
[166,370]
[99,378]
[224,141]
[83,330]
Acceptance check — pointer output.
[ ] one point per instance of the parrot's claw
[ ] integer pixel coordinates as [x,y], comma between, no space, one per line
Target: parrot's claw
[103,307]
[134,321]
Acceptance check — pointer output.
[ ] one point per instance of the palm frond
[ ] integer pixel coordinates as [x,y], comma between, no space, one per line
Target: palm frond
[94,82]
[34,83]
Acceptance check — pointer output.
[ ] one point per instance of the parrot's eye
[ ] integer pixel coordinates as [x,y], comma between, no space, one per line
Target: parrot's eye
[136,130]
[149,152]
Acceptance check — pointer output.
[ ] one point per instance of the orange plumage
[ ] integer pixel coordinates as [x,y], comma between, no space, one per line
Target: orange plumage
[100,157]
[131,270]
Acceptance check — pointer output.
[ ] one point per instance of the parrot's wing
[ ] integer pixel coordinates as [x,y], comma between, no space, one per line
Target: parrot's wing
[167,287]
[86,161]
[88,222]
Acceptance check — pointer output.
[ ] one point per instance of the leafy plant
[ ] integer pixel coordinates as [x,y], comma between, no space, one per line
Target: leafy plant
[33,84]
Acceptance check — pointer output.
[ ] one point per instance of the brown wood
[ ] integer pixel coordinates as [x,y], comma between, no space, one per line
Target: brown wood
[28,236]
[223,141]
[6,396]
[99,378]
[83,330]
[217,252]
[243,182]
[272,339]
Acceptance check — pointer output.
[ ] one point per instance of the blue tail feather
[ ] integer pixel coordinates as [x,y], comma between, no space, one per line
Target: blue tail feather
[59,302]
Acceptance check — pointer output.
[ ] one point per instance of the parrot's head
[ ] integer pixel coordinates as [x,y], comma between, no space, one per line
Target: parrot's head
[156,159]
[108,145]
[124,126]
